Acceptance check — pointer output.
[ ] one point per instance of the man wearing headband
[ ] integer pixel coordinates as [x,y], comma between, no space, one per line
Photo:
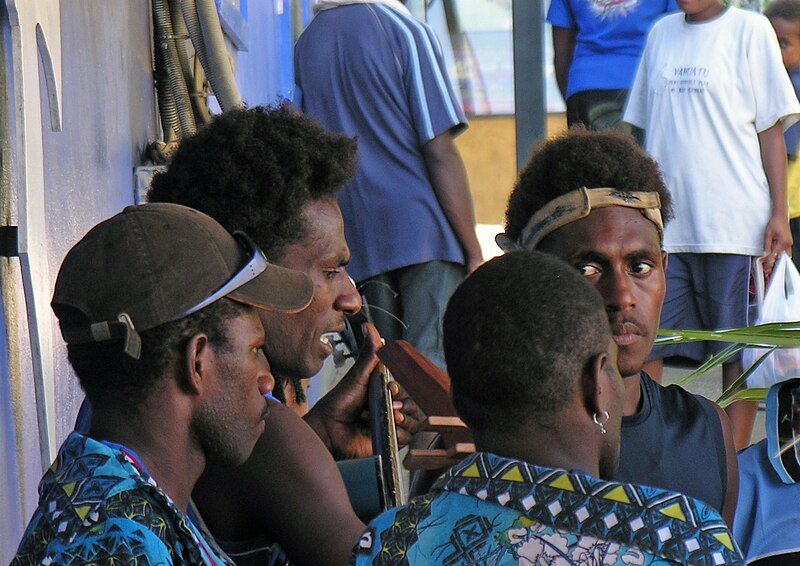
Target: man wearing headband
[596,200]
[158,308]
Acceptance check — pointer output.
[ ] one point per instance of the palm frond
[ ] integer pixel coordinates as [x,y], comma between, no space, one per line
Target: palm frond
[772,336]
[780,334]
[739,382]
[749,394]
[711,363]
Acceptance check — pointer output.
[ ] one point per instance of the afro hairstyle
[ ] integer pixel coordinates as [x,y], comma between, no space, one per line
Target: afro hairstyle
[582,158]
[254,170]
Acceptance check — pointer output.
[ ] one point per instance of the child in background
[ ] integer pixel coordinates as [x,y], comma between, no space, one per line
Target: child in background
[712,95]
[784,15]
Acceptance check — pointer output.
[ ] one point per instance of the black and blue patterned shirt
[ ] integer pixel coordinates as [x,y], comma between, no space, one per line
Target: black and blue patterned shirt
[494,510]
[96,505]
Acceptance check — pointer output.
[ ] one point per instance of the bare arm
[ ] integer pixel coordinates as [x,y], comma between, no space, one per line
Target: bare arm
[563,49]
[777,236]
[449,180]
[290,489]
[732,490]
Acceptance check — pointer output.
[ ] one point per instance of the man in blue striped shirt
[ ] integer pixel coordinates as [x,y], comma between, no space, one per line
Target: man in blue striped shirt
[369,69]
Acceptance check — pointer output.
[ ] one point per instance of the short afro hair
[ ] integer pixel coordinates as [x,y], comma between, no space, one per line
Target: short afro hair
[582,158]
[518,333]
[254,170]
[788,10]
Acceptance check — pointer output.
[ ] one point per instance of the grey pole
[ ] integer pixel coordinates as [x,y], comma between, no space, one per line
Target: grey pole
[529,109]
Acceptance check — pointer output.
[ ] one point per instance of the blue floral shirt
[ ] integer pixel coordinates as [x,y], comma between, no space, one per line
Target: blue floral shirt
[97,506]
[499,511]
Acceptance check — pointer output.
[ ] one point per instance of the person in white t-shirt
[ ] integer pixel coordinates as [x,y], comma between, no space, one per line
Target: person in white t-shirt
[712,95]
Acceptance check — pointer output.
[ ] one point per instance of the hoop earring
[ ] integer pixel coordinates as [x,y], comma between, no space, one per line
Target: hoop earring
[601,424]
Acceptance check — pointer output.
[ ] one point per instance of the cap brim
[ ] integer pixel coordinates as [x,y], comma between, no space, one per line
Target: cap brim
[277,289]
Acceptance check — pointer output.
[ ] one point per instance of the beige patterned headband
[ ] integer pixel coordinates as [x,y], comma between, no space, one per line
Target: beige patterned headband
[579,204]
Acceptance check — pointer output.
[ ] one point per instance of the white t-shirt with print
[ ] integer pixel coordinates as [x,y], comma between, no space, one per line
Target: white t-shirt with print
[702,93]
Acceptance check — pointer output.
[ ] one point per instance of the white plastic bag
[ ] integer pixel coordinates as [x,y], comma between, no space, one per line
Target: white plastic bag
[780,303]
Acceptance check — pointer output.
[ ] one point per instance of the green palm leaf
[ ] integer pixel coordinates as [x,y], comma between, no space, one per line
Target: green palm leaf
[748,394]
[773,335]
[711,363]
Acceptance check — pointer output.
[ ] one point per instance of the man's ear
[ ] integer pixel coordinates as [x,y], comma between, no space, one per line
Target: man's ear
[594,382]
[664,259]
[196,364]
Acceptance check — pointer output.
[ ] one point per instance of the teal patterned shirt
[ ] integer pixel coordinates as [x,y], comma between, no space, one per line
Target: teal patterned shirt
[96,506]
[489,510]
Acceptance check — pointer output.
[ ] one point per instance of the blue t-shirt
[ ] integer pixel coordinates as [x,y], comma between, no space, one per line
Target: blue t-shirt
[377,73]
[609,40]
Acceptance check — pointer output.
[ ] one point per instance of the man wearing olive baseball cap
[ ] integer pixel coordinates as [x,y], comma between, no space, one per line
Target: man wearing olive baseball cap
[157,306]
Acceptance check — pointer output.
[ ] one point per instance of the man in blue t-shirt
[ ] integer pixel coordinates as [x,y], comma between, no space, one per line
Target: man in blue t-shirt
[596,48]
[369,69]
[766,526]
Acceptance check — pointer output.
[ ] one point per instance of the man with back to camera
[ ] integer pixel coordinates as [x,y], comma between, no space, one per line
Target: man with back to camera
[369,69]
[596,200]
[533,374]
[158,308]
[275,174]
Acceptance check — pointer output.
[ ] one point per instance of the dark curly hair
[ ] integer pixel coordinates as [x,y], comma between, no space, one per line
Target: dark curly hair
[254,170]
[518,333]
[582,158]
[788,10]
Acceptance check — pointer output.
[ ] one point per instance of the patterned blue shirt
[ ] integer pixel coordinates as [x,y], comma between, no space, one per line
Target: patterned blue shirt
[494,510]
[97,506]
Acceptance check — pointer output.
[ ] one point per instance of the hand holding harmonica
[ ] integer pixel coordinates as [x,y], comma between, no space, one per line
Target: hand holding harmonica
[341,418]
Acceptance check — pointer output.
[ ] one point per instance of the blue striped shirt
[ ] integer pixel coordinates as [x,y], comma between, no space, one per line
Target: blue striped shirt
[377,73]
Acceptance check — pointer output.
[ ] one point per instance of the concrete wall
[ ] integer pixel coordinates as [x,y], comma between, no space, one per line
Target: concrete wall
[77,112]
[81,110]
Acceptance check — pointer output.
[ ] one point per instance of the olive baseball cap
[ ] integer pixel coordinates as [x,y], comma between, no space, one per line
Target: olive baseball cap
[156,263]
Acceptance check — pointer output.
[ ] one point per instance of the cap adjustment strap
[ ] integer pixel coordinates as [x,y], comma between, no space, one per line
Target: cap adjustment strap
[106,331]
[133,342]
